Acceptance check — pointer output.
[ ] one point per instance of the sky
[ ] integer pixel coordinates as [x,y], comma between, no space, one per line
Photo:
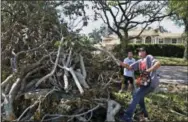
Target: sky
[167,23]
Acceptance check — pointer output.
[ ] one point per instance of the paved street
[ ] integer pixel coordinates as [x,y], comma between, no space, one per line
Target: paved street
[176,74]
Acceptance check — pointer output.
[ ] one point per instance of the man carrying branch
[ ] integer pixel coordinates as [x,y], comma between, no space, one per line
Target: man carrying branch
[147,82]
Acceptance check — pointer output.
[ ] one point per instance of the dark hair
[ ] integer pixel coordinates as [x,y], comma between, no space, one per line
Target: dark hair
[129,51]
[143,49]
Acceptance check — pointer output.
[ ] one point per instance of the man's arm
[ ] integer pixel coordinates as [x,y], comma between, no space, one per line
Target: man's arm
[125,65]
[133,66]
[154,67]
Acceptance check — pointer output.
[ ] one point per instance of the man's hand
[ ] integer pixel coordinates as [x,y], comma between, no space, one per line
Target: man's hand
[121,63]
[149,70]
[125,65]
[154,67]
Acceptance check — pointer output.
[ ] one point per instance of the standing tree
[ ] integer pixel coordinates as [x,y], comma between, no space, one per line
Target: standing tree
[180,8]
[124,15]
[96,34]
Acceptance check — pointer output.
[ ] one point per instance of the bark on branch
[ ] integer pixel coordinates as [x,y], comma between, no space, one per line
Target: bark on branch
[113,108]
[82,67]
[56,62]
[6,81]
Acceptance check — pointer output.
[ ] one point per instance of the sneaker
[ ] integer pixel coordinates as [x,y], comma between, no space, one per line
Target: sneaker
[121,91]
[143,118]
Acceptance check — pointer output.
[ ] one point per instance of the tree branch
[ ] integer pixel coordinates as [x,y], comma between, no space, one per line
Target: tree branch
[6,81]
[56,62]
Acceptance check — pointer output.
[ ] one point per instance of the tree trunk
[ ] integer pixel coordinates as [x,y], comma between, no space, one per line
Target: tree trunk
[124,41]
[124,44]
[185,56]
[186,40]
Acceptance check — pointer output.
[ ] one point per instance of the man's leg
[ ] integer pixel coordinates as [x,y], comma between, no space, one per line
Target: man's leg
[131,81]
[123,84]
[143,107]
[139,93]
[126,82]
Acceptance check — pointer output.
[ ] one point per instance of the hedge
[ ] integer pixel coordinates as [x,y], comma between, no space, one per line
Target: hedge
[166,50]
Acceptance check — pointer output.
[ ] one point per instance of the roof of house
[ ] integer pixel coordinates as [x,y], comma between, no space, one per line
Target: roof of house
[144,33]
[170,35]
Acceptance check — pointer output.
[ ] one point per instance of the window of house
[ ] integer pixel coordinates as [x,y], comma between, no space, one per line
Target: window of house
[161,41]
[138,41]
[130,41]
[148,40]
[174,41]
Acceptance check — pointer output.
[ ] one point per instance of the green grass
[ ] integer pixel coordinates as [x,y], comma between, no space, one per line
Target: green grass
[162,107]
[171,61]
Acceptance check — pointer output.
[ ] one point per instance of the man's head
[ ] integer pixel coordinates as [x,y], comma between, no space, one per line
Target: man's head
[142,52]
[130,54]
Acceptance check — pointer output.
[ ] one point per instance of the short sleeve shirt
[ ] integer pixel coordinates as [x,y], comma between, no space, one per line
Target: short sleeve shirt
[146,63]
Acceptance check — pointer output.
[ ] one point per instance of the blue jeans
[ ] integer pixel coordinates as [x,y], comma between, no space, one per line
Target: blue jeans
[138,98]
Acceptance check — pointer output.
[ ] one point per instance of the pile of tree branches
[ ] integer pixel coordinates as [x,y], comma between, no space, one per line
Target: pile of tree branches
[49,73]
[60,73]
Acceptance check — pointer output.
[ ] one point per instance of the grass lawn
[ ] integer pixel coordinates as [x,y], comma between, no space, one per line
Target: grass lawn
[162,107]
[171,61]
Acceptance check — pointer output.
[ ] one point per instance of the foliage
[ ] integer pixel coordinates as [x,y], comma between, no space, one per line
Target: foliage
[35,24]
[167,50]
[180,8]
[25,26]
[96,34]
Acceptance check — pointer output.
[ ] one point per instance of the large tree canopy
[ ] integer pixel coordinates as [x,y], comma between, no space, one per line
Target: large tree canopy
[125,14]
[180,8]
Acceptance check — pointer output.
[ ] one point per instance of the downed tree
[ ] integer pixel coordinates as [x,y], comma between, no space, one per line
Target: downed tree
[66,68]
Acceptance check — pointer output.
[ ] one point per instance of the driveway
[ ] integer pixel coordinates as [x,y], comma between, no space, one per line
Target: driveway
[173,74]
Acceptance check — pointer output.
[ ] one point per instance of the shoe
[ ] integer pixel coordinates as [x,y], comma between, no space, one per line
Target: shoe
[121,91]
[143,118]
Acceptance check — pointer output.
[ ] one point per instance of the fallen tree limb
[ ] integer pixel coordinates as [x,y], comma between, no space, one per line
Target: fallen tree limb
[8,87]
[31,109]
[56,62]
[113,108]
[57,116]
[83,70]
[28,74]
[76,80]
[65,76]
[81,79]
[74,77]
[6,81]
[8,106]
[110,54]
[105,51]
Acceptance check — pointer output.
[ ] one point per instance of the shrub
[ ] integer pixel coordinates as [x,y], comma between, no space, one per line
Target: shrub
[166,50]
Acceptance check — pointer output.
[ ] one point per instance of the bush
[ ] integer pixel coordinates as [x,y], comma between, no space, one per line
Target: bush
[166,50]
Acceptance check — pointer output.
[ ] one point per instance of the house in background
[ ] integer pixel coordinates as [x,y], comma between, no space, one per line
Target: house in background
[154,36]
[149,36]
